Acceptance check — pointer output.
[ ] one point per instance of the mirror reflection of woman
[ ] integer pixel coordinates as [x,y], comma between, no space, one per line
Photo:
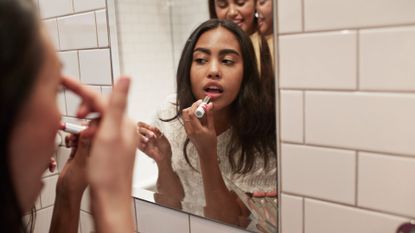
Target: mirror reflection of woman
[235,141]
[266,23]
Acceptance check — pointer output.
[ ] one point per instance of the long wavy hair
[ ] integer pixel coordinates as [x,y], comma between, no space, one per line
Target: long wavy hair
[253,122]
[20,59]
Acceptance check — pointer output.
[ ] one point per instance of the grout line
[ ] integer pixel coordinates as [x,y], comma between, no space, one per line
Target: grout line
[82,49]
[96,27]
[190,228]
[356,192]
[73,13]
[303,214]
[358,60]
[389,154]
[348,205]
[304,116]
[79,66]
[302,15]
[397,91]
[347,28]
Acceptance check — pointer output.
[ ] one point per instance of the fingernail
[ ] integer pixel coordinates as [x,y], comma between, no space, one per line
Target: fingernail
[146,139]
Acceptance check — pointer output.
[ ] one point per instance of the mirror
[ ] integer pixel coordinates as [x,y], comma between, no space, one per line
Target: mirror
[223,166]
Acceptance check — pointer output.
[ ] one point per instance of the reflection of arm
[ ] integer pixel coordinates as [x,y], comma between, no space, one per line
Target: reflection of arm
[169,188]
[65,216]
[221,204]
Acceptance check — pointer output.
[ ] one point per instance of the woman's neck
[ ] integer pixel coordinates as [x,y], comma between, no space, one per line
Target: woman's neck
[222,121]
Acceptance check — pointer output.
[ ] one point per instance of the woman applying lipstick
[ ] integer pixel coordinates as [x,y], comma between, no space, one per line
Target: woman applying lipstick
[234,142]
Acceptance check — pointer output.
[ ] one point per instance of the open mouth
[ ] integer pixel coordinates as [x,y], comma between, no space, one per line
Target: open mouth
[213,90]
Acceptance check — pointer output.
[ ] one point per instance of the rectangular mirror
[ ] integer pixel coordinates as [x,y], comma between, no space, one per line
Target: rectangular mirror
[222,166]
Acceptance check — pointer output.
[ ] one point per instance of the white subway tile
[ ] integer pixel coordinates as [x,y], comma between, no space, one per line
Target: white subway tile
[72,103]
[62,102]
[52,28]
[78,31]
[106,91]
[84,5]
[292,115]
[291,214]
[387,59]
[377,122]
[173,221]
[336,14]
[289,16]
[200,225]
[319,172]
[43,220]
[387,183]
[62,156]
[95,66]
[70,63]
[52,8]
[323,217]
[38,205]
[49,191]
[318,60]
[86,201]
[87,222]
[102,28]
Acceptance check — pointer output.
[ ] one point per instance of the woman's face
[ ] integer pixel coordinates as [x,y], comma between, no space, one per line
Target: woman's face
[217,68]
[33,137]
[240,12]
[265,22]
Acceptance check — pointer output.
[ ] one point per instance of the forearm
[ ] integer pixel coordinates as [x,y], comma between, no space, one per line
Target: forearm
[112,213]
[65,216]
[168,183]
[220,202]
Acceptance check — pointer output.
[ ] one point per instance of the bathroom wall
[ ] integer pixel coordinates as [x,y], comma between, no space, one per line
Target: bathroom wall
[347,82]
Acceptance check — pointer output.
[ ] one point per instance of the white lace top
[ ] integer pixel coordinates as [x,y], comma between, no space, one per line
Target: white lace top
[258,179]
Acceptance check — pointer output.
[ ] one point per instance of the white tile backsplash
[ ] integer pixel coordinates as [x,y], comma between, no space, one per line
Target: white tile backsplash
[52,8]
[95,66]
[357,120]
[199,225]
[49,191]
[62,102]
[102,28]
[70,64]
[336,14]
[387,59]
[290,16]
[86,222]
[291,214]
[292,116]
[52,28]
[386,183]
[84,5]
[72,103]
[319,172]
[78,31]
[172,220]
[43,219]
[322,217]
[318,60]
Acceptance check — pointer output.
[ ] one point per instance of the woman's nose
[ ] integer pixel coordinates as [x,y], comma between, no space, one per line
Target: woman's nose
[232,11]
[214,72]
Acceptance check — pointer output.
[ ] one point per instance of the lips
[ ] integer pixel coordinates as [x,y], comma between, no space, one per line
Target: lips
[213,90]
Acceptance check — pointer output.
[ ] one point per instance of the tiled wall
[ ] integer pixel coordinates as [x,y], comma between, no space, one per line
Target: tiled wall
[347,82]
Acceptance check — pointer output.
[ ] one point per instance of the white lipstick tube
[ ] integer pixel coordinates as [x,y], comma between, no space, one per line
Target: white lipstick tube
[200,111]
[73,128]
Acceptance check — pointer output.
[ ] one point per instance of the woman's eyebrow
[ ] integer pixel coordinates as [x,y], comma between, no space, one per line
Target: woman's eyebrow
[228,51]
[203,50]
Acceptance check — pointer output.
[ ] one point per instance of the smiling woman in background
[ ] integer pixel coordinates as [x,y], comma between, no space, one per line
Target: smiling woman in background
[30,78]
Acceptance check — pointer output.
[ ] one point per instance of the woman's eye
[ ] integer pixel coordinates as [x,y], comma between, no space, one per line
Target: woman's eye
[241,2]
[200,60]
[228,62]
[221,4]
